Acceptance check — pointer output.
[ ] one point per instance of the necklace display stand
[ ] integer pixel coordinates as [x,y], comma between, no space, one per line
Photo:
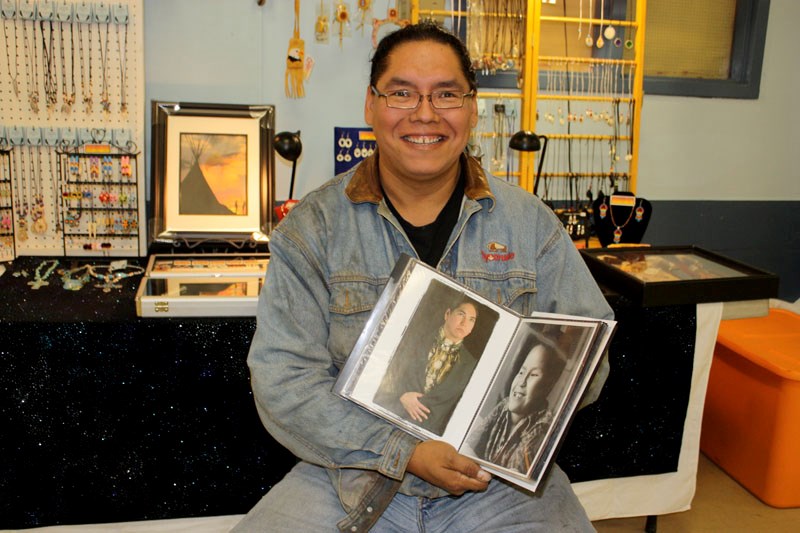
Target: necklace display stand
[621,221]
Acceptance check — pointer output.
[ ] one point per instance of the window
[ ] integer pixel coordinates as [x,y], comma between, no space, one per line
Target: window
[710,48]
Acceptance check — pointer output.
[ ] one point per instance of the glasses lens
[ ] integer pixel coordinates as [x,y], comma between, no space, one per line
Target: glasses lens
[447,100]
[403,99]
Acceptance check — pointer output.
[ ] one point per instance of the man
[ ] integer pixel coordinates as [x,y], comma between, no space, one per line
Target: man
[513,431]
[418,194]
[425,379]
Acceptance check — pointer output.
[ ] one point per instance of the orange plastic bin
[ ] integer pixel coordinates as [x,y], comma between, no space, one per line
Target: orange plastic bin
[751,420]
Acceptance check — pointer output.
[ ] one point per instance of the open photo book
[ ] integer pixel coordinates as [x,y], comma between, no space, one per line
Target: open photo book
[442,362]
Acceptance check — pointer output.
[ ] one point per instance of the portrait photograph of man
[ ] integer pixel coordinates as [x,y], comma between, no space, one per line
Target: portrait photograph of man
[436,357]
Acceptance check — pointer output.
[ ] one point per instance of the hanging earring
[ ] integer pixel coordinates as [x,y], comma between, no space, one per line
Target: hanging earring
[342,19]
[322,26]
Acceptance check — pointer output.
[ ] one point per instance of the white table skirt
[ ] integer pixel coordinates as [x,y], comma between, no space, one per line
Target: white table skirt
[671,492]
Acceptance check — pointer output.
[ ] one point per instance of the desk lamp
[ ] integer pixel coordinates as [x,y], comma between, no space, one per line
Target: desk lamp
[289,147]
[527,141]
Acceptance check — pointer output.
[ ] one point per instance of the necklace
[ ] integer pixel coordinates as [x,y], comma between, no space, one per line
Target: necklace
[32,74]
[14,82]
[123,61]
[75,284]
[38,223]
[83,15]
[49,65]
[618,228]
[104,101]
[112,275]
[39,279]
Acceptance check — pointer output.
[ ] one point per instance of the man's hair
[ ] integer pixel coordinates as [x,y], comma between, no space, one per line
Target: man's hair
[460,300]
[424,31]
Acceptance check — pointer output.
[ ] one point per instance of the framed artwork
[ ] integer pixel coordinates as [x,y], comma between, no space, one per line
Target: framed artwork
[673,275]
[213,171]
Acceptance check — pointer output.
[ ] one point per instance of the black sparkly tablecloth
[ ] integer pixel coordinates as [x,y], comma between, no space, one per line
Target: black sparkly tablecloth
[108,417]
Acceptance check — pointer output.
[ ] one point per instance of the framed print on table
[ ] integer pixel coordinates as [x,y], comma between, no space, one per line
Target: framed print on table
[213,172]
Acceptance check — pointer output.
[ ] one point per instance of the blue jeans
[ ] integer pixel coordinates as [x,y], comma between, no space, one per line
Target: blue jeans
[306,501]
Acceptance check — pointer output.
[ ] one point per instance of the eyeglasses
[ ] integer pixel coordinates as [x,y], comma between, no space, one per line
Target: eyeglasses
[406,99]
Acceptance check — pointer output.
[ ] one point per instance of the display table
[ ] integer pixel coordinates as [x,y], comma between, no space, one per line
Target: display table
[108,417]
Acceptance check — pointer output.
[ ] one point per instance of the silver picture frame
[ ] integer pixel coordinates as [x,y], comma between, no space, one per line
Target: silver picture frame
[213,169]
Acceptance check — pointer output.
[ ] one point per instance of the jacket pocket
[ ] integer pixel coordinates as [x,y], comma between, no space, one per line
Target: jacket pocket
[514,289]
[351,302]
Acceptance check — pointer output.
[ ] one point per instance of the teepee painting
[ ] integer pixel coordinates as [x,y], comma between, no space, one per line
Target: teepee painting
[213,174]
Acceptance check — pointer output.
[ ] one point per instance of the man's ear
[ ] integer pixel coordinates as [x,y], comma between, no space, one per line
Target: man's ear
[369,105]
[473,120]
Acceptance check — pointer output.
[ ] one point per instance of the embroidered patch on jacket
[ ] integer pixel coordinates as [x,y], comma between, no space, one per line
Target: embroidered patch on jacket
[497,252]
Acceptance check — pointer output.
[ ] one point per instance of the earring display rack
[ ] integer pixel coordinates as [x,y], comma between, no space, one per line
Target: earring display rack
[72,82]
[586,99]
[6,208]
[99,200]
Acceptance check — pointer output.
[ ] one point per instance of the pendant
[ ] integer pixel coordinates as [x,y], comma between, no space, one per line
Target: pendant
[38,283]
[617,235]
[108,285]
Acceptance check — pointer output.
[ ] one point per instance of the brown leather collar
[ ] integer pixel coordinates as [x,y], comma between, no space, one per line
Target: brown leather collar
[365,184]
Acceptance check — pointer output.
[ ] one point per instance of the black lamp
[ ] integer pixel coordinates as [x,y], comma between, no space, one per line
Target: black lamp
[527,141]
[289,147]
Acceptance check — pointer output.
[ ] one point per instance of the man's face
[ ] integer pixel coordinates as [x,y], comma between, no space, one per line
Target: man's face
[422,144]
[524,396]
[458,322]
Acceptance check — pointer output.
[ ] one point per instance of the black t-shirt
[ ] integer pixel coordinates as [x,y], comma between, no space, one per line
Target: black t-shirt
[430,240]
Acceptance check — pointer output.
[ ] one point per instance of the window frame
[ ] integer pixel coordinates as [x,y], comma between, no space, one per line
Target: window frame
[747,56]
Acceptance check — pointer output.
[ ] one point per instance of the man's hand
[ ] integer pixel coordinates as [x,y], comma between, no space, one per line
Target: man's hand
[415,409]
[439,463]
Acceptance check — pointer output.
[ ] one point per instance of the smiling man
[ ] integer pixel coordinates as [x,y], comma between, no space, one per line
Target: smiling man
[419,194]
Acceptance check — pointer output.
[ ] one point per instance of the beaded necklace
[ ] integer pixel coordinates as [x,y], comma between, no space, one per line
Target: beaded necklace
[112,275]
[39,279]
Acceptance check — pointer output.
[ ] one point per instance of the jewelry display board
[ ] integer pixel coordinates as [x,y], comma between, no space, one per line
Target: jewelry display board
[72,76]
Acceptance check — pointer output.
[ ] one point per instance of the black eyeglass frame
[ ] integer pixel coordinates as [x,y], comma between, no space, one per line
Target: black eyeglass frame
[376,92]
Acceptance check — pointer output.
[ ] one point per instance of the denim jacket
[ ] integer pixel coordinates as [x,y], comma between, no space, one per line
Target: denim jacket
[330,259]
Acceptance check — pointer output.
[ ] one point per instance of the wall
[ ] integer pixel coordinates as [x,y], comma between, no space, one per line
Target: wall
[714,164]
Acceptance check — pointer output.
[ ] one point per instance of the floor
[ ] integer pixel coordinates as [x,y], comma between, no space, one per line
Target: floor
[720,505]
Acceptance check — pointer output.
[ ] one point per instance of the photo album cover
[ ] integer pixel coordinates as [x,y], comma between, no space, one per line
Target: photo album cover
[442,362]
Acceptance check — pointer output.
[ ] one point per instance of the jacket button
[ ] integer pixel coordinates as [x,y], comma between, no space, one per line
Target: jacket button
[369,508]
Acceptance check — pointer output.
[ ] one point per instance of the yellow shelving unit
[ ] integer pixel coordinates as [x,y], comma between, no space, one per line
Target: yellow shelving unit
[603,82]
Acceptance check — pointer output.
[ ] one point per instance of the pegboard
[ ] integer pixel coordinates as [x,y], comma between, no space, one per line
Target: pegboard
[72,83]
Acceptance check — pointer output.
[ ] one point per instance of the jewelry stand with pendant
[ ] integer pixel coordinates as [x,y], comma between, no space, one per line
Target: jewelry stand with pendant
[621,218]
